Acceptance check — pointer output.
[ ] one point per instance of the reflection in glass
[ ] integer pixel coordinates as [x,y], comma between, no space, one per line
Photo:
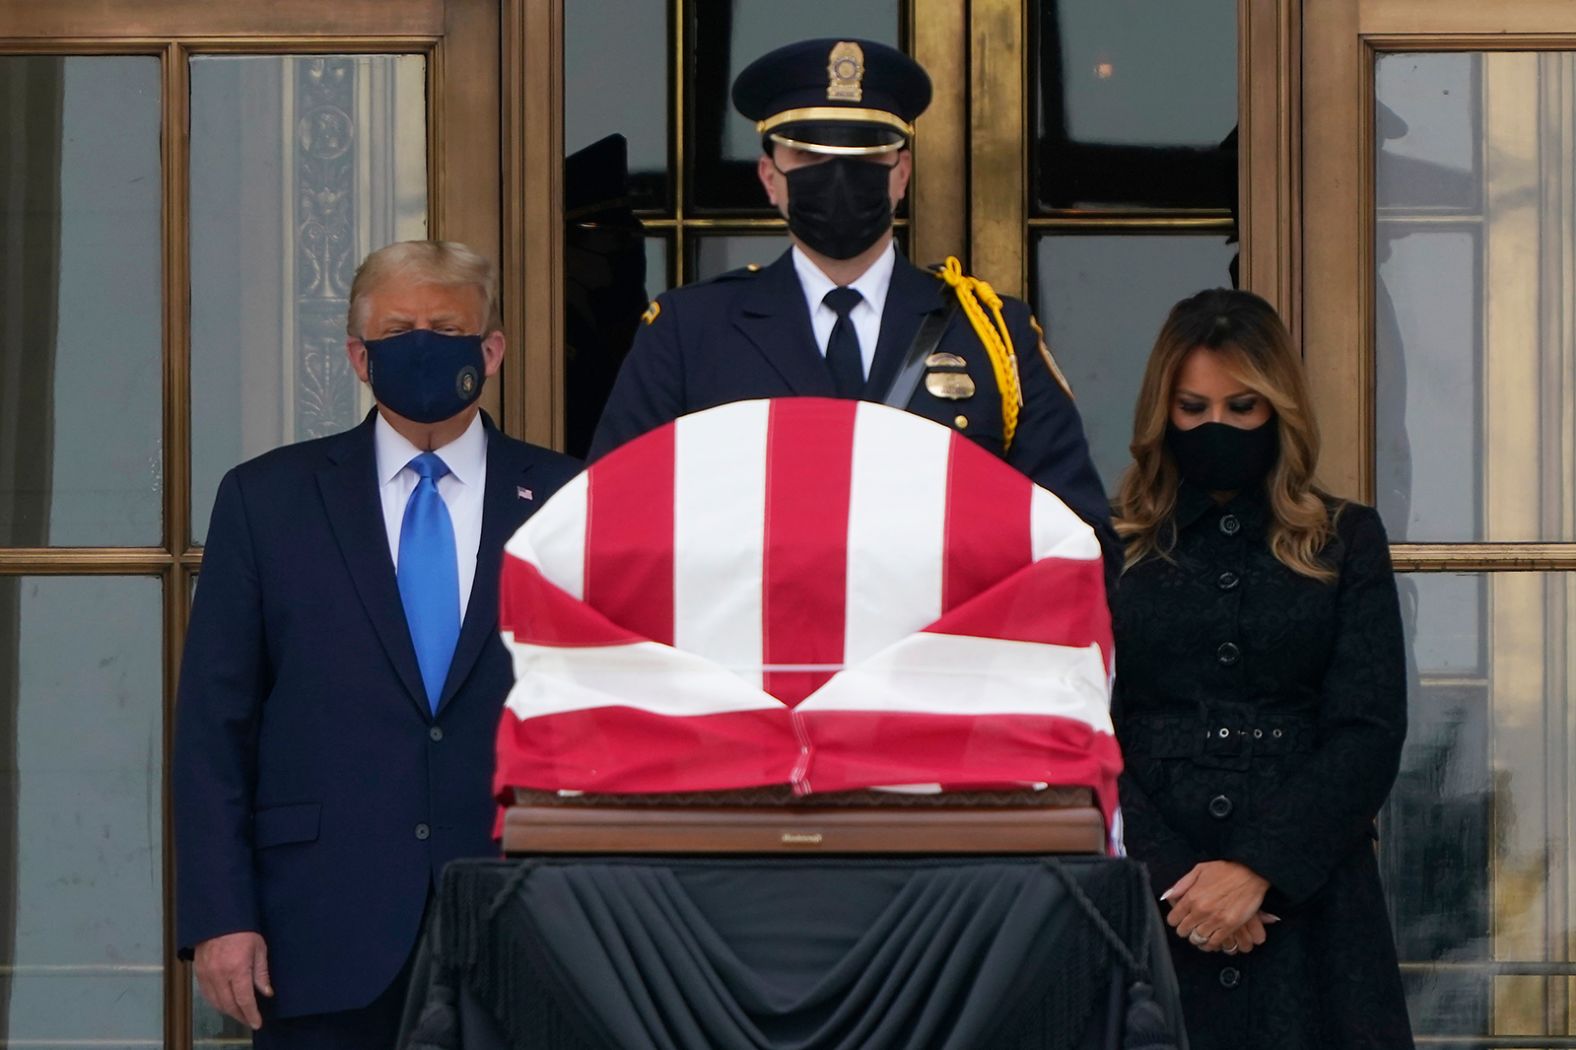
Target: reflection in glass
[719,253]
[1135,104]
[604,282]
[81,750]
[616,82]
[723,38]
[1474,841]
[1472,300]
[1101,300]
[81,302]
[1428,425]
[1427,118]
[299,167]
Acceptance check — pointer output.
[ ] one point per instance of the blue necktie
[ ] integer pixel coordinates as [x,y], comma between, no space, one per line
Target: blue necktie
[429,576]
[842,349]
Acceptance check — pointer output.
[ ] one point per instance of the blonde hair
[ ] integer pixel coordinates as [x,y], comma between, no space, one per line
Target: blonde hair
[1256,350]
[447,263]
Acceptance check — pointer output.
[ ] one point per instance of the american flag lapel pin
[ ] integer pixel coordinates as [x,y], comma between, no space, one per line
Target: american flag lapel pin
[524,493]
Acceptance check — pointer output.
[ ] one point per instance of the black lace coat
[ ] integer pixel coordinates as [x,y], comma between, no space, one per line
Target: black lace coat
[1261,715]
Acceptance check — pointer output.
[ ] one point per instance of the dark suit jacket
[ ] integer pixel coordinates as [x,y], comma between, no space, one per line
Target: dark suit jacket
[316,796]
[746,334]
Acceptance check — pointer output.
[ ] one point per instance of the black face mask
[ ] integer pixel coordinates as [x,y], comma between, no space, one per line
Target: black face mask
[1223,458]
[839,207]
[425,376]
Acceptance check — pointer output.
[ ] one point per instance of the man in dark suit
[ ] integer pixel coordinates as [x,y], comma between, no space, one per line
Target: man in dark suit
[343,674]
[842,313]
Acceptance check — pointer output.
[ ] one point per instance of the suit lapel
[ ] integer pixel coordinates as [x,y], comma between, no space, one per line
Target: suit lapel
[503,510]
[912,294]
[349,484]
[772,315]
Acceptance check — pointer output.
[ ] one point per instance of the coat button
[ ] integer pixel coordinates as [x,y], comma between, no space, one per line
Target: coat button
[435,734]
[1220,807]
[1228,653]
[1230,977]
[1227,581]
[423,832]
[1230,525]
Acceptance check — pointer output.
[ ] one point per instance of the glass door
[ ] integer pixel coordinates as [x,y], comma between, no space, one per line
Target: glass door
[188,191]
[1440,235]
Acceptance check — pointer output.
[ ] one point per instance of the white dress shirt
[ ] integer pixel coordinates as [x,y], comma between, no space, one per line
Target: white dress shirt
[866,316]
[461,488]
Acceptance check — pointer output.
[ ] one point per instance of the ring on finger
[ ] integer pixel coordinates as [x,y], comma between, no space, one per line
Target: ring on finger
[1198,938]
[1230,947]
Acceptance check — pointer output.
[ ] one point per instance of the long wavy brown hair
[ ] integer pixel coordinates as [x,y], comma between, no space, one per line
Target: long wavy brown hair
[1256,350]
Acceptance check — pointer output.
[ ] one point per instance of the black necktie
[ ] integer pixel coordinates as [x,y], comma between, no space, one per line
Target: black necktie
[842,350]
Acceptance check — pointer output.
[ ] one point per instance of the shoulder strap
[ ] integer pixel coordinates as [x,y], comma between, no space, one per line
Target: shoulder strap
[924,343]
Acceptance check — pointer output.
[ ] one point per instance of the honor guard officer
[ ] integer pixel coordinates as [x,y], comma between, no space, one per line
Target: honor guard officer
[842,313]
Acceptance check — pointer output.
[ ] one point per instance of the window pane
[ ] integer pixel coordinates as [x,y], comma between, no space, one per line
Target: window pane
[1474,842]
[81,302]
[719,253]
[1135,104]
[724,37]
[1473,299]
[1427,124]
[616,82]
[81,750]
[299,167]
[1101,300]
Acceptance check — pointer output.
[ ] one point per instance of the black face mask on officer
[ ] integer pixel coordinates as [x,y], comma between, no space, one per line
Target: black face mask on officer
[839,207]
[1223,458]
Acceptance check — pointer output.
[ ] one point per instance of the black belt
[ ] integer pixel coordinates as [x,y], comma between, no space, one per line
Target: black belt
[1217,733]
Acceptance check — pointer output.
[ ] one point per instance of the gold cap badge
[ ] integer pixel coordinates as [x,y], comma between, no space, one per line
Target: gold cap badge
[845,72]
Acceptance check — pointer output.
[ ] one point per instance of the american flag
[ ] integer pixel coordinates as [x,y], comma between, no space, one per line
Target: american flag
[827,593]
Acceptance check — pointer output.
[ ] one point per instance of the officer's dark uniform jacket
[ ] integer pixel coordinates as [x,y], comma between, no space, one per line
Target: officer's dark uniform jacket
[747,335]
[1261,715]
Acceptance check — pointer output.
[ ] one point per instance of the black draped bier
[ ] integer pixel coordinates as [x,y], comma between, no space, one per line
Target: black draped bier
[829,953]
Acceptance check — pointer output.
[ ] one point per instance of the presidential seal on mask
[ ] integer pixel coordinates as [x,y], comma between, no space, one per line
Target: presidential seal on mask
[843,313]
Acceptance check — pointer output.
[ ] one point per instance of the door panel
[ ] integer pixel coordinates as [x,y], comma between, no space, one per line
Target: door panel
[1439,173]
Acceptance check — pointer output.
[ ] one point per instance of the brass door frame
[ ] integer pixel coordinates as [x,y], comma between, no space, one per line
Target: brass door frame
[1268,115]
[459,41]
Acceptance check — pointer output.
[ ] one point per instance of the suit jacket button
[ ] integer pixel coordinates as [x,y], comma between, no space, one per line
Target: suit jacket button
[1228,653]
[1230,977]
[1230,525]
[1226,581]
[423,832]
[1220,807]
[435,734]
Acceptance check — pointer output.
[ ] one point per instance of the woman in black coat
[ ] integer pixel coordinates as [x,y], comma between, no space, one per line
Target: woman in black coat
[1260,694]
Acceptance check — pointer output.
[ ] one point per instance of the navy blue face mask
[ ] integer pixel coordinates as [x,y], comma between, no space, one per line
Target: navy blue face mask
[425,376]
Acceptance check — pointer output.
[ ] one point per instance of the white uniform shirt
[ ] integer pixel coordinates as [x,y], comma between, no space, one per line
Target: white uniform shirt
[866,316]
[461,488]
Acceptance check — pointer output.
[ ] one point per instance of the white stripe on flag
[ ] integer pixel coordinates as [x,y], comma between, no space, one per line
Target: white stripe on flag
[719,536]
[647,676]
[554,540]
[896,522]
[946,674]
[1057,532]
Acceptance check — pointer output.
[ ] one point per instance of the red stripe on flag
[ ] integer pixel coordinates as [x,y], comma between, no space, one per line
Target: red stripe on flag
[623,749]
[536,610]
[809,463]
[629,536]
[862,749]
[1057,601]
[986,536]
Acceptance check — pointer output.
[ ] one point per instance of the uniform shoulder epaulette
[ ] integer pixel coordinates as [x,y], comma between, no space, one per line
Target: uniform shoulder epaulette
[975,297]
[654,310]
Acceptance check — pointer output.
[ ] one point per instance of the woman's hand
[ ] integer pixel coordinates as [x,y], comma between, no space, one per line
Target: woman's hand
[1214,901]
